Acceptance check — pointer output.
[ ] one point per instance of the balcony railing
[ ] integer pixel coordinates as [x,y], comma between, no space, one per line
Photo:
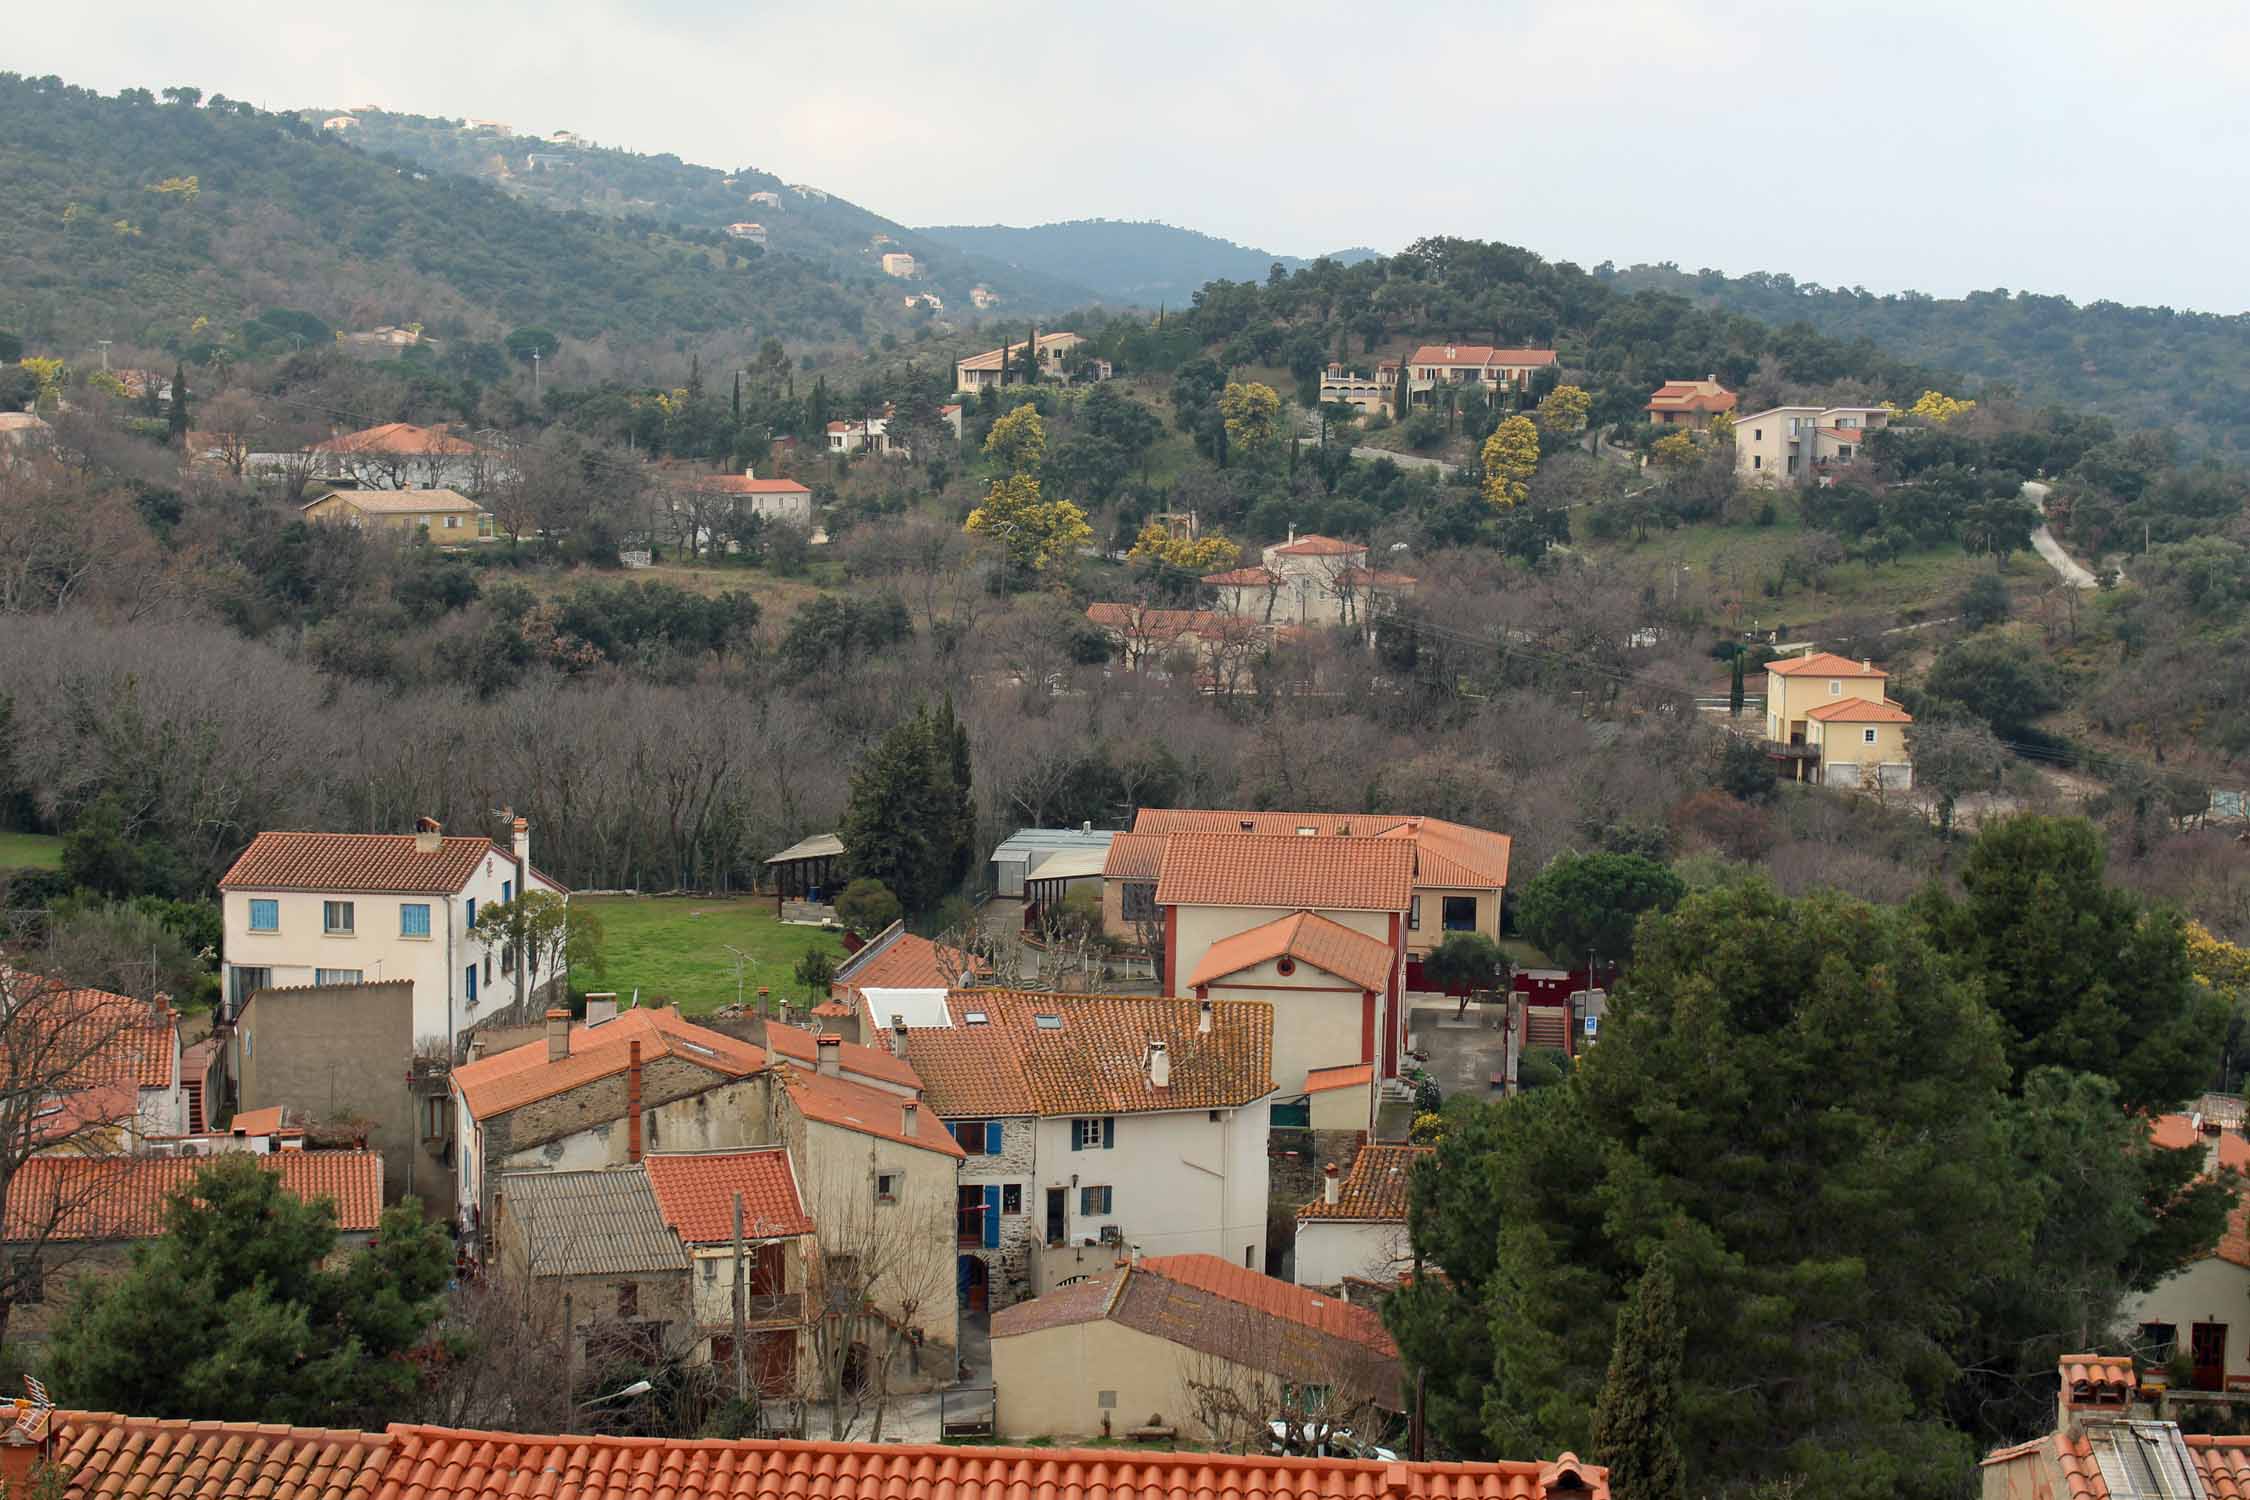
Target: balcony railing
[1796,751]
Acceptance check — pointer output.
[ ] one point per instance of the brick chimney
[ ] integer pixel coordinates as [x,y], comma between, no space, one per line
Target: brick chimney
[1159,1066]
[910,1119]
[1203,1019]
[2094,1385]
[521,830]
[429,835]
[830,1051]
[1331,1185]
[633,1103]
[558,1035]
[24,1445]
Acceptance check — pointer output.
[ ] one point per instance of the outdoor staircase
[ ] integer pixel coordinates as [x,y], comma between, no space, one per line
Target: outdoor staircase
[194,1090]
[1546,1026]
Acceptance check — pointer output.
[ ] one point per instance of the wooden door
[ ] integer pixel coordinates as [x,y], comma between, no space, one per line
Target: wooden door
[773,1362]
[2207,1349]
[1055,1216]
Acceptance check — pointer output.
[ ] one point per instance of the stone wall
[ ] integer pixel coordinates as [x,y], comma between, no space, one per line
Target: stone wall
[1008,1269]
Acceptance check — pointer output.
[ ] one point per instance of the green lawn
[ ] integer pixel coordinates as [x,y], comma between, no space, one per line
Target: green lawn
[677,946]
[30,851]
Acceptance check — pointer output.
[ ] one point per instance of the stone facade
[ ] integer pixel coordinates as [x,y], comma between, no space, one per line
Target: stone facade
[1009,1275]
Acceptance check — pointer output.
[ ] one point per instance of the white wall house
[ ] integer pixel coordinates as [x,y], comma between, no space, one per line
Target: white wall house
[1356,1228]
[345,908]
[1792,444]
[1091,1124]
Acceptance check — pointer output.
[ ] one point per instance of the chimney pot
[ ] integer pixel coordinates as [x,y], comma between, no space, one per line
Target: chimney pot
[910,1118]
[429,835]
[519,831]
[1331,1185]
[1203,1018]
[898,1037]
[830,1052]
[558,1035]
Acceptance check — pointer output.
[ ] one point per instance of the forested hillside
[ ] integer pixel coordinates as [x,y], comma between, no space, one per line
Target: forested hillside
[652,191]
[1144,264]
[169,223]
[2146,366]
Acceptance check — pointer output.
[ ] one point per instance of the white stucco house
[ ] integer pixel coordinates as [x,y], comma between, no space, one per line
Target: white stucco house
[1310,580]
[1356,1228]
[347,908]
[1090,1125]
[2201,1310]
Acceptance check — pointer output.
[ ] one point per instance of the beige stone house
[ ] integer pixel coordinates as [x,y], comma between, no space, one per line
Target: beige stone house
[981,370]
[1309,580]
[1690,403]
[1192,1343]
[449,517]
[1861,744]
[1828,720]
[1795,444]
[1356,1228]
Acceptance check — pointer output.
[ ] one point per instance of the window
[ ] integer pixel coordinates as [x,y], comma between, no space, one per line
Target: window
[1460,914]
[1139,903]
[2159,1342]
[1756,462]
[1093,1135]
[710,1269]
[1414,913]
[1011,1198]
[472,911]
[242,983]
[507,890]
[1757,434]
[977,1137]
[1835,688]
[30,1277]
[472,980]
[336,917]
[629,1300]
[336,976]
[413,919]
[1093,1202]
[886,1187]
[433,1118]
[1867,736]
[265,915]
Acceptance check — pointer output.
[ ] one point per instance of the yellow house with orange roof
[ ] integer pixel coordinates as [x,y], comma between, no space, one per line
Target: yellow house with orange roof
[1827,712]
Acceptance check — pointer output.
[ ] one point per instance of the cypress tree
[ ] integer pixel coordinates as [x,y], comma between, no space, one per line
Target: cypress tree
[1636,1422]
[1400,394]
[738,398]
[951,742]
[179,404]
[1734,691]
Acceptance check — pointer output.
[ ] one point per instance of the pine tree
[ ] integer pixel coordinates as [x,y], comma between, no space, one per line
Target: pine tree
[910,823]
[1636,1422]
[179,427]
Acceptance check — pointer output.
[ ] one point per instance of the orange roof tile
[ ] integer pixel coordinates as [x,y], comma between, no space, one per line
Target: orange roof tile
[1375,1187]
[1375,578]
[1480,355]
[102,1455]
[1158,623]
[2224,1463]
[1313,544]
[866,1110]
[2231,1150]
[1452,854]
[122,1198]
[1822,664]
[876,1063]
[2086,1376]
[1292,872]
[509,1080]
[901,961]
[743,484]
[1223,1278]
[1348,1075]
[272,1120]
[1250,577]
[1692,395]
[1328,946]
[695,1192]
[1134,856]
[1093,1059]
[1860,711]
[94,1038]
[355,862]
[396,438]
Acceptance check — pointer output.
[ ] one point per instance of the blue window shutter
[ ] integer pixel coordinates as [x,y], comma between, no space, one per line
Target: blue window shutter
[472,911]
[472,981]
[1109,1131]
[992,1137]
[1077,1137]
[992,1218]
[507,890]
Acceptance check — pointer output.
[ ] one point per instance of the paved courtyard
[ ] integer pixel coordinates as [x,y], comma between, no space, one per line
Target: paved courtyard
[1464,1053]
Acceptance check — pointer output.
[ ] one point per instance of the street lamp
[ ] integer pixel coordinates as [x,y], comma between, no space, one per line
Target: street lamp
[637,1388]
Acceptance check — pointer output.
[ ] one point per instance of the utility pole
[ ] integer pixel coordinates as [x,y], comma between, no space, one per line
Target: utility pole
[741,1310]
[105,343]
[535,374]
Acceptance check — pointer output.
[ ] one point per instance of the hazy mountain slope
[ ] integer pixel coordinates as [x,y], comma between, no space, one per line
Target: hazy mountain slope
[2147,366]
[611,184]
[1144,263]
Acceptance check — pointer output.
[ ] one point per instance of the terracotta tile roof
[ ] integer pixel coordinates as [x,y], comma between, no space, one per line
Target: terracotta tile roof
[98,1456]
[396,438]
[1479,355]
[866,1110]
[122,1198]
[695,1192]
[1349,1075]
[108,1456]
[401,502]
[1375,1187]
[1134,856]
[2224,1463]
[1156,623]
[272,1120]
[2231,1150]
[1313,544]
[900,961]
[831,1010]
[1860,711]
[990,359]
[1449,853]
[876,1063]
[1822,664]
[2085,1376]
[1376,578]
[1692,395]
[1291,871]
[1094,1059]
[602,1222]
[374,862]
[1223,1278]
[509,1080]
[1083,1301]
[743,484]
[98,1039]
[1251,577]
[1328,946]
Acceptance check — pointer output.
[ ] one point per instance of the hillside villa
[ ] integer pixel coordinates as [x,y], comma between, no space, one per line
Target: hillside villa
[448,517]
[979,371]
[1481,365]
[783,500]
[1690,403]
[1367,394]
[1309,580]
[1828,721]
[1792,444]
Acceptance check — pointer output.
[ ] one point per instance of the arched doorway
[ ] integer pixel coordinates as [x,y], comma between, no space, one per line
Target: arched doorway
[974,1280]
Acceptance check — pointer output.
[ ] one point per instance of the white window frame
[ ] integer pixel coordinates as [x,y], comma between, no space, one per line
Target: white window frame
[1868,736]
[330,910]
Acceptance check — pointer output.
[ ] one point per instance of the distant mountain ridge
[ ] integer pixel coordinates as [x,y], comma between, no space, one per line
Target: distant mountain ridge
[1142,262]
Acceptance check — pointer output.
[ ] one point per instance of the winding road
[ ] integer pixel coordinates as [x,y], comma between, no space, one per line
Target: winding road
[2043,542]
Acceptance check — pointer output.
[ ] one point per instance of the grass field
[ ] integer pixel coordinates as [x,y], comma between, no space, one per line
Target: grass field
[30,851]
[677,946]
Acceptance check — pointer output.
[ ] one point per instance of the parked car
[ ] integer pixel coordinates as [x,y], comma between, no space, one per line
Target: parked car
[1309,1440]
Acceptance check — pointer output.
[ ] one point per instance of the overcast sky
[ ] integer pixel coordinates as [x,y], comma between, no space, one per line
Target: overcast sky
[2096,150]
